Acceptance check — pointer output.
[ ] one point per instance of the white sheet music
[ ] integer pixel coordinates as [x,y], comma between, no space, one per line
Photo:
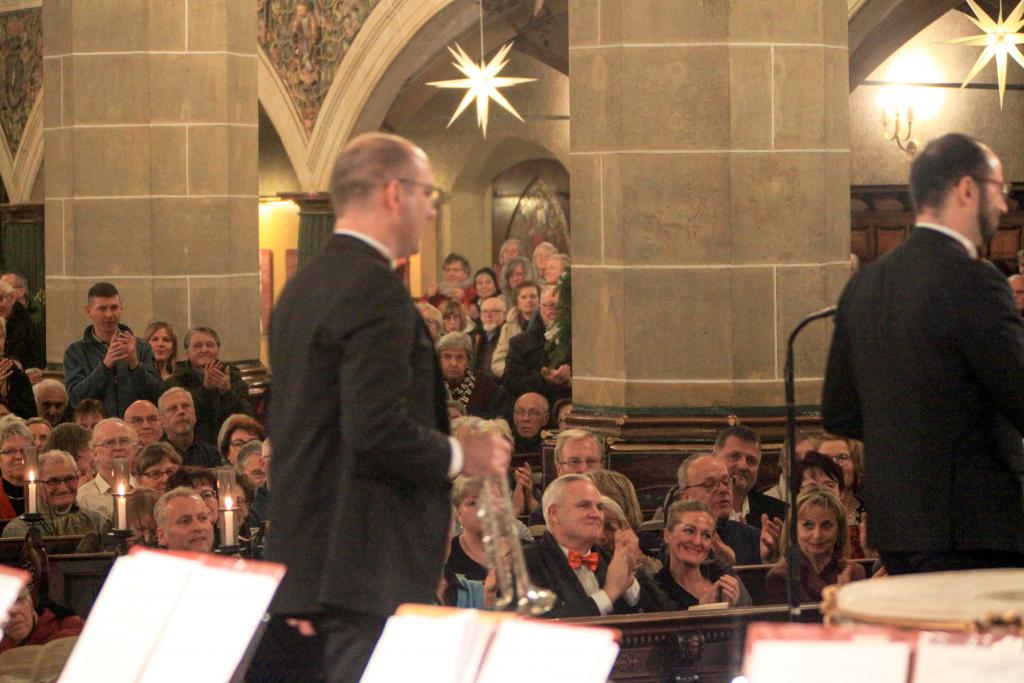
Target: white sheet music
[542,652]
[949,663]
[846,661]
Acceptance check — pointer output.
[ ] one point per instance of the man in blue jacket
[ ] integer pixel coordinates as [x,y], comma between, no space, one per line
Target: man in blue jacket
[109,363]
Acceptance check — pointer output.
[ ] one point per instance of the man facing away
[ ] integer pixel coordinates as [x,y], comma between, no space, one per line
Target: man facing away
[926,367]
[359,421]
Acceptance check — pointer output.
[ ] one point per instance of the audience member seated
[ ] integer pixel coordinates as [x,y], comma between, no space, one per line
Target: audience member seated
[156,464]
[541,253]
[15,441]
[217,388]
[455,283]
[692,575]
[144,418]
[24,337]
[563,407]
[527,367]
[41,431]
[849,455]
[614,485]
[76,440]
[456,590]
[178,414]
[526,300]
[615,520]
[703,477]
[487,333]
[467,555]
[510,249]
[250,462]
[201,480]
[164,342]
[139,512]
[51,401]
[556,265]
[109,363]
[28,626]
[485,282]
[62,516]
[88,412]
[739,447]
[241,430]
[15,385]
[569,560]
[455,317]
[479,394]
[432,319]
[111,438]
[824,542]
[804,443]
[183,521]
[261,498]
[578,451]
[819,470]
[529,415]
[1016,282]
[514,273]
[244,492]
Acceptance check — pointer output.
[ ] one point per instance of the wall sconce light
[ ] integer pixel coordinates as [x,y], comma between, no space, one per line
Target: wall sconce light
[906,98]
[900,117]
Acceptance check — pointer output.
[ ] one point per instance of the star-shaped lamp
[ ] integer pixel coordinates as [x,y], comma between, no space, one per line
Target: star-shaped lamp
[481,83]
[1000,38]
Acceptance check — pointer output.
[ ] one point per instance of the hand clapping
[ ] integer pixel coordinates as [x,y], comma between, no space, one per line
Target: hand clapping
[217,377]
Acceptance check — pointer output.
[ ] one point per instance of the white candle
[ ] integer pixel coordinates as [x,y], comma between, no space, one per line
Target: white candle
[121,519]
[228,535]
[31,502]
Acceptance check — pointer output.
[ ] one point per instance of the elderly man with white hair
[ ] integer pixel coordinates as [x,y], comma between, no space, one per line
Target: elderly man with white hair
[479,394]
[51,401]
[183,521]
[111,438]
[62,516]
[569,559]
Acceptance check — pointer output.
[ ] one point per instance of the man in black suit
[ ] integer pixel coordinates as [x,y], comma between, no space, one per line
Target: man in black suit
[927,368]
[739,447]
[362,458]
[567,559]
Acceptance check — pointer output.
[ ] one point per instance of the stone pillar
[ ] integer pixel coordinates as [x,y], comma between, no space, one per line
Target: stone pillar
[710,200]
[150,120]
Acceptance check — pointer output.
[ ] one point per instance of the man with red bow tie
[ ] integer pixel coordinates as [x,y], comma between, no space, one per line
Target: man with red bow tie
[568,560]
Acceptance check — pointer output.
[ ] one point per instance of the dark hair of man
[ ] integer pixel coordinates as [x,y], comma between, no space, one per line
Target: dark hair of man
[70,437]
[103,290]
[816,460]
[744,434]
[190,476]
[204,330]
[367,162]
[456,258]
[942,163]
[526,285]
[89,406]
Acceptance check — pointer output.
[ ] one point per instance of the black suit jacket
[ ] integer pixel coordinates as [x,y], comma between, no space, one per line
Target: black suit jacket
[927,368]
[527,355]
[360,510]
[549,568]
[762,504]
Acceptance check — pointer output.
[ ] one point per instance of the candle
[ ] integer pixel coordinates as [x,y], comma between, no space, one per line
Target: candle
[31,495]
[228,535]
[121,519]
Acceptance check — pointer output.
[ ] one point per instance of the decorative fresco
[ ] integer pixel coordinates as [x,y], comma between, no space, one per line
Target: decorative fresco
[306,40]
[539,218]
[21,57]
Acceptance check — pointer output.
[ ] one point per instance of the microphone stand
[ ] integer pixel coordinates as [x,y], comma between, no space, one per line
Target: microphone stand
[793,552]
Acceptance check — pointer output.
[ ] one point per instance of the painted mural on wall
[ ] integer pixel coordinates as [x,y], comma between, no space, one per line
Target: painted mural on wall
[306,40]
[21,57]
[539,218]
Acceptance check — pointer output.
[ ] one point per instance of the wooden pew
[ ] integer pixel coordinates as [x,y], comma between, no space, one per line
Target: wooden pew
[11,548]
[687,646]
[74,581]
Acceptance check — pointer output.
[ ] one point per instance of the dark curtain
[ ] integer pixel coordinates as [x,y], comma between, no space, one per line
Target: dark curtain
[314,229]
[22,246]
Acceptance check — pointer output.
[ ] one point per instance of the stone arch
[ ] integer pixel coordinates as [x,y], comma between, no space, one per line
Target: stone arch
[20,168]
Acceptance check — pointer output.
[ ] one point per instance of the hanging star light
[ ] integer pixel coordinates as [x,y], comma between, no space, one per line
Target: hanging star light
[1001,38]
[481,83]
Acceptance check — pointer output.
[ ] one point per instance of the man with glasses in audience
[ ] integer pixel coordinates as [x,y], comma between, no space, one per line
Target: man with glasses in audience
[62,516]
[178,413]
[143,417]
[577,451]
[492,319]
[111,438]
[704,477]
[529,416]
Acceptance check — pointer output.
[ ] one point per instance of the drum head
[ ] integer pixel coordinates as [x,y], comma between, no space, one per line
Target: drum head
[960,601]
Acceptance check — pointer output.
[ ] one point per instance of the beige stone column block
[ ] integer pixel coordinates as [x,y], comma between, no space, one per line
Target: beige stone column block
[710,188]
[150,125]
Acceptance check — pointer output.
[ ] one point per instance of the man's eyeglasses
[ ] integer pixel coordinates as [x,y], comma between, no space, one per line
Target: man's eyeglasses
[436,195]
[159,474]
[71,481]
[238,443]
[710,485]
[209,494]
[1004,188]
[577,462]
[115,442]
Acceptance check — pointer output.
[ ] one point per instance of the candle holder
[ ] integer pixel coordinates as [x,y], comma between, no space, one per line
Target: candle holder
[229,511]
[31,514]
[119,491]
